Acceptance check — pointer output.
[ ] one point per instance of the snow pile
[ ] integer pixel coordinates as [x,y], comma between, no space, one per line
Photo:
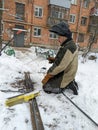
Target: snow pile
[56,111]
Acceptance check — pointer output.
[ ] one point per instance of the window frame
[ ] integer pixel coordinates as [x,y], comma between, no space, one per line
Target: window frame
[53,35]
[37,11]
[35,32]
[59,14]
[85,18]
[85,4]
[73,15]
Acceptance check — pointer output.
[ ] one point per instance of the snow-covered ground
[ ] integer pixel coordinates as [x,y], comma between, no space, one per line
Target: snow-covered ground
[57,112]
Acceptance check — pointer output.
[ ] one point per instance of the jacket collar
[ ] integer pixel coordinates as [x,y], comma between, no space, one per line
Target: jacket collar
[66,41]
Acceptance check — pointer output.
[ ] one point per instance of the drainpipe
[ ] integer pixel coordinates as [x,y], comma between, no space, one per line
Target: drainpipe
[79,18]
[31,21]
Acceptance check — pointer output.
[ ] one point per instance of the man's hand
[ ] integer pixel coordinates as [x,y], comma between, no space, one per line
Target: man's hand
[51,59]
[46,78]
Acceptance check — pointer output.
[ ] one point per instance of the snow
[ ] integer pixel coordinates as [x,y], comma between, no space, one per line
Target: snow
[57,112]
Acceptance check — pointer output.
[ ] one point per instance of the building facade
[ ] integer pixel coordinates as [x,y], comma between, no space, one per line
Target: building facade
[34,18]
[80,19]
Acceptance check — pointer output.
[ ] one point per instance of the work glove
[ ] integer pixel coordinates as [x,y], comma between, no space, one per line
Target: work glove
[46,78]
[51,59]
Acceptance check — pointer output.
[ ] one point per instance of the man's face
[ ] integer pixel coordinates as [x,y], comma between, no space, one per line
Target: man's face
[61,39]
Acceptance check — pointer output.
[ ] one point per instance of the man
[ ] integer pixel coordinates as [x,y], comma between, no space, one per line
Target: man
[62,73]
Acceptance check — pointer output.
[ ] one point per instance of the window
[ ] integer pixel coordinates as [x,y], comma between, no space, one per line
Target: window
[74,2]
[72,18]
[81,37]
[20,11]
[86,3]
[38,11]
[59,15]
[83,21]
[37,31]
[53,35]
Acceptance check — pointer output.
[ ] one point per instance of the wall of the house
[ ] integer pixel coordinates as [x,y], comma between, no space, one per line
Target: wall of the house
[9,20]
[31,21]
[79,11]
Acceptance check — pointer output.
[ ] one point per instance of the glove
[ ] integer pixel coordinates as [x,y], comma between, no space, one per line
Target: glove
[46,78]
[51,59]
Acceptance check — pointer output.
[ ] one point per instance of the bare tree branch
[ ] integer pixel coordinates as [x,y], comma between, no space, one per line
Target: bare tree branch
[93,36]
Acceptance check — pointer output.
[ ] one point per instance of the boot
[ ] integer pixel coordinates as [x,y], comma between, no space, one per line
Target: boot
[75,83]
[73,86]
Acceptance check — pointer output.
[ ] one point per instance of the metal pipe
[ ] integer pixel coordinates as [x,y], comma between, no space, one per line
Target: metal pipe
[78,23]
[80,109]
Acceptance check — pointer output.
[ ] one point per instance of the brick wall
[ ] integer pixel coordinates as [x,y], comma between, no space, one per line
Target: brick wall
[31,21]
[79,11]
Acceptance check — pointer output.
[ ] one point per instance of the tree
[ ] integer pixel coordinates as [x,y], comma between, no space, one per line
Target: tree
[94,30]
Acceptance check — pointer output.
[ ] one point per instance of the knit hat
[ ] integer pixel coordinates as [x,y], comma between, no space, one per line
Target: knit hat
[62,29]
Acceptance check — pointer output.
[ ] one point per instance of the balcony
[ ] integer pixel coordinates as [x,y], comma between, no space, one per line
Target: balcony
[94,11]
[93,24]
[51,21]
[57,14]
[92,28]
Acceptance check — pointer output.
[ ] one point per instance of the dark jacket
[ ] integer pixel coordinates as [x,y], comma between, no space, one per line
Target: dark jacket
[65,65]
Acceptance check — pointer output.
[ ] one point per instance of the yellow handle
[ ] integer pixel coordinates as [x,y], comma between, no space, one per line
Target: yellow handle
[20,99]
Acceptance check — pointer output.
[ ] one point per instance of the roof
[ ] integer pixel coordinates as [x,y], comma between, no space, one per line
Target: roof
[62,3]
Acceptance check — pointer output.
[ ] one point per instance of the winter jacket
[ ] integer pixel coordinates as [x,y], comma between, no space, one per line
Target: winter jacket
[65,65]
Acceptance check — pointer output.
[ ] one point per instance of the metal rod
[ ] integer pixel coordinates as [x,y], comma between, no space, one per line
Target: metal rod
[5,45]
[80,109]
[35,116]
